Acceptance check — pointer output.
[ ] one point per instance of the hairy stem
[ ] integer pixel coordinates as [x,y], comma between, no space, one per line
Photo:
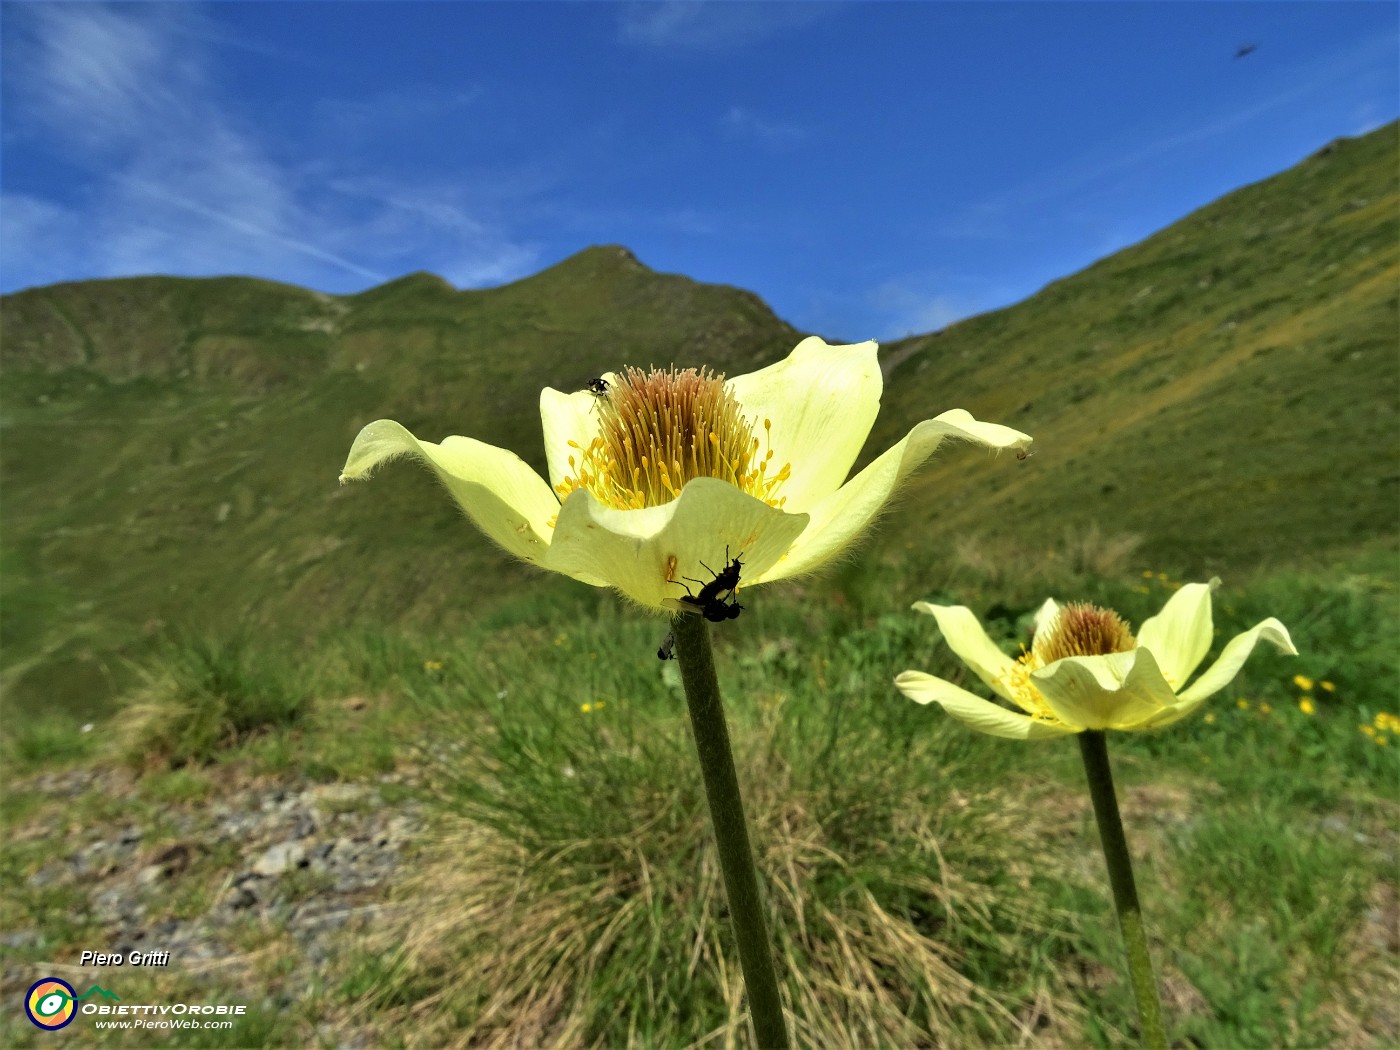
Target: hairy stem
[1094,749]
[697,667]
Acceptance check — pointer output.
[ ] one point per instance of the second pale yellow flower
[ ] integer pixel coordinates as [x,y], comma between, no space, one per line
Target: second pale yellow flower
[1086,671]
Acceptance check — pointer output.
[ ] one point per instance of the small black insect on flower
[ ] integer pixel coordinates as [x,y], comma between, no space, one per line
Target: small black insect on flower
[716,600]
[598,387]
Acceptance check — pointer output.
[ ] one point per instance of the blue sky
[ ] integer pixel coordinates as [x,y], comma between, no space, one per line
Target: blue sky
[869,169]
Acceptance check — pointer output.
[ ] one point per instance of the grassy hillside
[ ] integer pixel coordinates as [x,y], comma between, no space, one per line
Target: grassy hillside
[171,446]
[1226,390]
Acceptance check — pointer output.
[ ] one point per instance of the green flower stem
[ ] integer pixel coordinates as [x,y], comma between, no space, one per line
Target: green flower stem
[697,666]
[1094,748]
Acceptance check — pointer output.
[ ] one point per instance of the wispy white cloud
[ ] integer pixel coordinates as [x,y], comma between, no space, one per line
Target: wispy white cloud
[440,230]
[177,182]
[774,134]
[905,309]
[709,25]
[239,217]
[101,76]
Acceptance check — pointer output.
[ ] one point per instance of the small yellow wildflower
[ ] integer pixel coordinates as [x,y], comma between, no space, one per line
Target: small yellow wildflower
[1369,730]
[1242,704]
[1210,718]
[1305,705]
[586,708]
[1327,686]
[1265,708]
[1302,681]
[1147,574]
[432,665]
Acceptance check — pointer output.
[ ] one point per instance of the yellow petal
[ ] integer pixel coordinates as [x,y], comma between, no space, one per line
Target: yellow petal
[1180,635]
[501,494]
[1223,671]
[568,417]
[841,516]
[822,401]
[633,550]
[1116,691]
[1045,618]
[981,715]
[966,637]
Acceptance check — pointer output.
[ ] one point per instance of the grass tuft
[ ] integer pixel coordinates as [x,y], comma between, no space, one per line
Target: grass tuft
[203,695]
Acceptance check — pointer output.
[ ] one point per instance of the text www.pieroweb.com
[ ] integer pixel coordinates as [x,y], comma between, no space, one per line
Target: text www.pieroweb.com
[160,1022]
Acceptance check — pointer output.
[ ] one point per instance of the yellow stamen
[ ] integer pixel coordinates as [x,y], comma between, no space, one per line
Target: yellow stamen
[658,430]
[1017,681]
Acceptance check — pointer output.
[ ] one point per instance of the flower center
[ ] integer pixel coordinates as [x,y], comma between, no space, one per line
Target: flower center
[657,430]
[1081,629]
[1078,630]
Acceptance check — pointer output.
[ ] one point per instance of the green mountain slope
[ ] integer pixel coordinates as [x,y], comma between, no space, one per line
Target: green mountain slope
[171,447]
[1227,389]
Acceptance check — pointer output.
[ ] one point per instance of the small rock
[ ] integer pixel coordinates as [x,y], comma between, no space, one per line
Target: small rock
[334,793]
[242,897]
[150,875]
[280,858]
[20,938]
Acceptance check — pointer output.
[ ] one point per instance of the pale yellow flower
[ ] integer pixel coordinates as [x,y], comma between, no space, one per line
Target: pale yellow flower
[1302,681]
[1085,670]
[1306,706]
[666,470]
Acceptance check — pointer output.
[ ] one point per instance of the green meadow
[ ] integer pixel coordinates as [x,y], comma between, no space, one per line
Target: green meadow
[927,885]
[180,572]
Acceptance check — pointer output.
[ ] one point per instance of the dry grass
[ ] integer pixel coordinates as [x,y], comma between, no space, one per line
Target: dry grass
[626,941]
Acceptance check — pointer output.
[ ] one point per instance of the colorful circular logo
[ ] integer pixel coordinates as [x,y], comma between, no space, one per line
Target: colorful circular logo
[50,1003]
